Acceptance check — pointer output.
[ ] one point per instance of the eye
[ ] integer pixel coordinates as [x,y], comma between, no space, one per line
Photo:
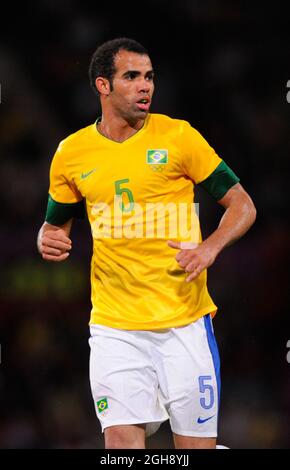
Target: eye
[131,76]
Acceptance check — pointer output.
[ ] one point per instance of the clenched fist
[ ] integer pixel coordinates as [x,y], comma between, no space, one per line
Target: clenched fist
[54,244]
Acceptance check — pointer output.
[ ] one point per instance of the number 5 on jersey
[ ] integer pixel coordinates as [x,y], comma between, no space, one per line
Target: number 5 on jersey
[120,191]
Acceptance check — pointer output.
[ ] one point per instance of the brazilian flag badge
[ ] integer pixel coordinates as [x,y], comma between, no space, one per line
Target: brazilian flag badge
[102,405]
[157,156]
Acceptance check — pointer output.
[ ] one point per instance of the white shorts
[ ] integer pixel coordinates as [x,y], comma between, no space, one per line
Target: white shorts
[151,376]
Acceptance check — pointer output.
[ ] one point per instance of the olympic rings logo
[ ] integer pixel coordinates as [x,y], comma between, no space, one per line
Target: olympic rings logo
[157,168]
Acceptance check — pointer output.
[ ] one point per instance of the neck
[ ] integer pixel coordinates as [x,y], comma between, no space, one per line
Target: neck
[117,128]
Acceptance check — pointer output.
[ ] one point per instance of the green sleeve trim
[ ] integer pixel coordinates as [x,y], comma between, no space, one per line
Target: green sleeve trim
[58,213]
[220,181]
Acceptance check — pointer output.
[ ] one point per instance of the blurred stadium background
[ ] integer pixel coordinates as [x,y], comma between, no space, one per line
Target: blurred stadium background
[224,67]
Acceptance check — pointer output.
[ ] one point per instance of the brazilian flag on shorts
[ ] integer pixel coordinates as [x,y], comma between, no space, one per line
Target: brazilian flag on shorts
[102,405]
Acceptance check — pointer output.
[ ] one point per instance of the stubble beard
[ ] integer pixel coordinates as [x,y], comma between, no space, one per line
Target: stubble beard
[133,117]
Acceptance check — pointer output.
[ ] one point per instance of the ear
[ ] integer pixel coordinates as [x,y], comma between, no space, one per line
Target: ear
[103,86]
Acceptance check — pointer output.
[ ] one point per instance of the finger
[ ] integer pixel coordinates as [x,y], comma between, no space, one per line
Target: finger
[186,250]
[58,235]
[55,258]
[190,267]
[173,244]
[184,255]
[183,262]
[56,244]
[47,250]
[193,275]
[185,258]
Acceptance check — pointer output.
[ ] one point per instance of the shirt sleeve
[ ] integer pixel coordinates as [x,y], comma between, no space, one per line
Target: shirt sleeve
[64,200]
[198,157]
[61,188]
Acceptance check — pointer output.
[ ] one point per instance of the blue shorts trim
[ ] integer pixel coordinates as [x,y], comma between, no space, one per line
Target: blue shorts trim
[214,352]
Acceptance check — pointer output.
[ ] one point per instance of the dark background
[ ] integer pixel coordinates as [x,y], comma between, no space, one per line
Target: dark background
[224,67]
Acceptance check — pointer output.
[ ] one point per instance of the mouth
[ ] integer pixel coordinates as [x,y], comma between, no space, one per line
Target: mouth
[144,104]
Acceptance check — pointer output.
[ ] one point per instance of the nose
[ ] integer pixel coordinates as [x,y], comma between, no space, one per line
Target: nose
[144,86]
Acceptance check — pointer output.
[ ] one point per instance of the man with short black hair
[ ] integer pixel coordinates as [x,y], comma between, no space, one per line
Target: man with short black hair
[153,350]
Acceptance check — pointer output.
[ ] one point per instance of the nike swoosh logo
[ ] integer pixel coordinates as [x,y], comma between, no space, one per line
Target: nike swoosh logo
[85,175]
[201,420]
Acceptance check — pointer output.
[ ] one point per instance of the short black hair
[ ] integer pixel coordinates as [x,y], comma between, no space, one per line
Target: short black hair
[103,60]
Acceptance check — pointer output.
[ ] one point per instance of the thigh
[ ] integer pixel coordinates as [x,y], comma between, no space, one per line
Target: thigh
[123,382]
[190,379]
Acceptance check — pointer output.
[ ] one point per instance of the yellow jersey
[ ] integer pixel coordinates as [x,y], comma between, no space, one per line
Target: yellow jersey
[136,283]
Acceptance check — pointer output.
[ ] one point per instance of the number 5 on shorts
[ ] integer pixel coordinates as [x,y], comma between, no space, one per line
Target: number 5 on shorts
[203,388]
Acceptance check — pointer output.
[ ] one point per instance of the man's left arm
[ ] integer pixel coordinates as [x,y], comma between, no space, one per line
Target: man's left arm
[240,214]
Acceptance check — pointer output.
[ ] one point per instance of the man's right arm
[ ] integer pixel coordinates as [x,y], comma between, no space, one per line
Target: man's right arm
[53,242]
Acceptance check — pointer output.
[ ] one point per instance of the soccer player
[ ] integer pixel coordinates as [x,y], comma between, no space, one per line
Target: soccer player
[153,352]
